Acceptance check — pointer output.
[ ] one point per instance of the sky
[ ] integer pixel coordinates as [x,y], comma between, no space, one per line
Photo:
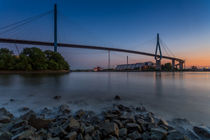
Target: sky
[183,25]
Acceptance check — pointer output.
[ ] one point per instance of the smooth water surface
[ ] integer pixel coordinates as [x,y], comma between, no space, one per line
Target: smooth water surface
[170,95]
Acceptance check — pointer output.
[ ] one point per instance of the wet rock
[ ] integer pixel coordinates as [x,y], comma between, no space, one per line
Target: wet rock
[80,113]
[117,97]
[158,133]
[55,138]
[163,122]
[109,128]
[72,136]
[123,132]
[23,109]
[80,137]
[58,131]
[74,124]
[111,138]
[87,137]
[5,136]
[202,131]
[135,135]
[28,135]
[145,136]
[89,129]
[35,121]
[57,97]
[5,116]
[64,109]
[141,109]
[119,123]
[123,108]
[175,135]
[96,135]
[133,127]
[12,100]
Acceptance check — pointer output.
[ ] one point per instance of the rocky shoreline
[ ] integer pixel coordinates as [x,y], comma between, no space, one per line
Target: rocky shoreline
[118,122]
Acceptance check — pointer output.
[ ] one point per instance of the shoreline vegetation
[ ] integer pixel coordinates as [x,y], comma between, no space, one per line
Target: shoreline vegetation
[118,122]
[32,60]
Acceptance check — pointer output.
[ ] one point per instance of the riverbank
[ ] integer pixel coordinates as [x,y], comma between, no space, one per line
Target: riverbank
[35,72]
[116,122]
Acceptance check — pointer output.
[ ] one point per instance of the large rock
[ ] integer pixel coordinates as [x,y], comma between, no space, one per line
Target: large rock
[25,135]
[35,121]
[133,127]
[123,132]
[175,135]
[158,133]
[71,136]
[5,136]
[109,128]
[89,129]
[5,116]
[64,109]
[135,135]
[202,131]
[74,124]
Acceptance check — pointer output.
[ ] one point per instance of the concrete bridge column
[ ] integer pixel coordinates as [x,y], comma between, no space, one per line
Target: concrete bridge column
[158,65]
[173,64]
[181,64]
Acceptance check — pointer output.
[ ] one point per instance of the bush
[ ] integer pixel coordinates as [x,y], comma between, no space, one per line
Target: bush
[32,59]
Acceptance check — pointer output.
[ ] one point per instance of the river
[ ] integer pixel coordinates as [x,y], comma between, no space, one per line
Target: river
[169,95]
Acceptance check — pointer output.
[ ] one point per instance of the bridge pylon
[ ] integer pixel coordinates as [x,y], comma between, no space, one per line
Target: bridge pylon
[55,28]
[158,57]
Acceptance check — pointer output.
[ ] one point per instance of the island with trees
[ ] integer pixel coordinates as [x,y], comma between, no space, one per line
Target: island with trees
[32,60]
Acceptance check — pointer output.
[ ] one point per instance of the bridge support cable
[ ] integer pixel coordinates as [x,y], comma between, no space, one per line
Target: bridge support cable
[55,28]
[16,25]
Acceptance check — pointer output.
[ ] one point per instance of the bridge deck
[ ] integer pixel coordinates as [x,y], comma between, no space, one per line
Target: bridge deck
[6,40]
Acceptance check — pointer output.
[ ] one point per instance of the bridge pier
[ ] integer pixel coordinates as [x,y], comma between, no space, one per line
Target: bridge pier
[173,64]
[158,65]
[181,64]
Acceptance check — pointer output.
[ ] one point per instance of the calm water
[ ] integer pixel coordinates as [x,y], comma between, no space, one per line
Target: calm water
[185,95]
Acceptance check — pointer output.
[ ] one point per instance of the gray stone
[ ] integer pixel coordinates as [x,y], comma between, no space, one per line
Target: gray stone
[109,128]
[35,121]
[74,124]
[5,136]
[28,134]
[202,131]
[133,127]
[123,132]
[158,133]
[119,123]
[71,136]
[64,109]
[89,129]
[175,135]
[135,135]
[80,113]
[5,116]
[87,137]
[80,137]
[163,122]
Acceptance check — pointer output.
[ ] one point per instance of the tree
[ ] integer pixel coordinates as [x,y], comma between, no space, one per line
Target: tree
[37,58]
[166,67]
[32,59]
[7,59]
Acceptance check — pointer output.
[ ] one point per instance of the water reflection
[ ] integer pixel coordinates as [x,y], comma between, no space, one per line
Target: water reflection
[158,83]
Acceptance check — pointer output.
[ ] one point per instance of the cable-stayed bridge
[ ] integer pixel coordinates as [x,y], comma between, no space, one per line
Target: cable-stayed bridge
[157,55]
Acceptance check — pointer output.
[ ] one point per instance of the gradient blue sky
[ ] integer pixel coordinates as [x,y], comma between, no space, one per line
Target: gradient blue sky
[184,25]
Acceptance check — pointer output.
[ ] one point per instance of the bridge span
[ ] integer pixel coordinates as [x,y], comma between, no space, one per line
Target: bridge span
[41,43]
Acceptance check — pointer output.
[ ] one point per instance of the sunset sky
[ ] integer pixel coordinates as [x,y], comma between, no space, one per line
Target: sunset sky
[184,27]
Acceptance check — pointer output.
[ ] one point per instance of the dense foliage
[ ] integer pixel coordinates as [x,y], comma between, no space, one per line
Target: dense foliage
[32,59]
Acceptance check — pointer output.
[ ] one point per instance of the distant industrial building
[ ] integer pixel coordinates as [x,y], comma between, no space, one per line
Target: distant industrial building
[136,66]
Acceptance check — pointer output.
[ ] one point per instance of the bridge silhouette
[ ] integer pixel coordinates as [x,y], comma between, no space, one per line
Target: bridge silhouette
[157,56]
